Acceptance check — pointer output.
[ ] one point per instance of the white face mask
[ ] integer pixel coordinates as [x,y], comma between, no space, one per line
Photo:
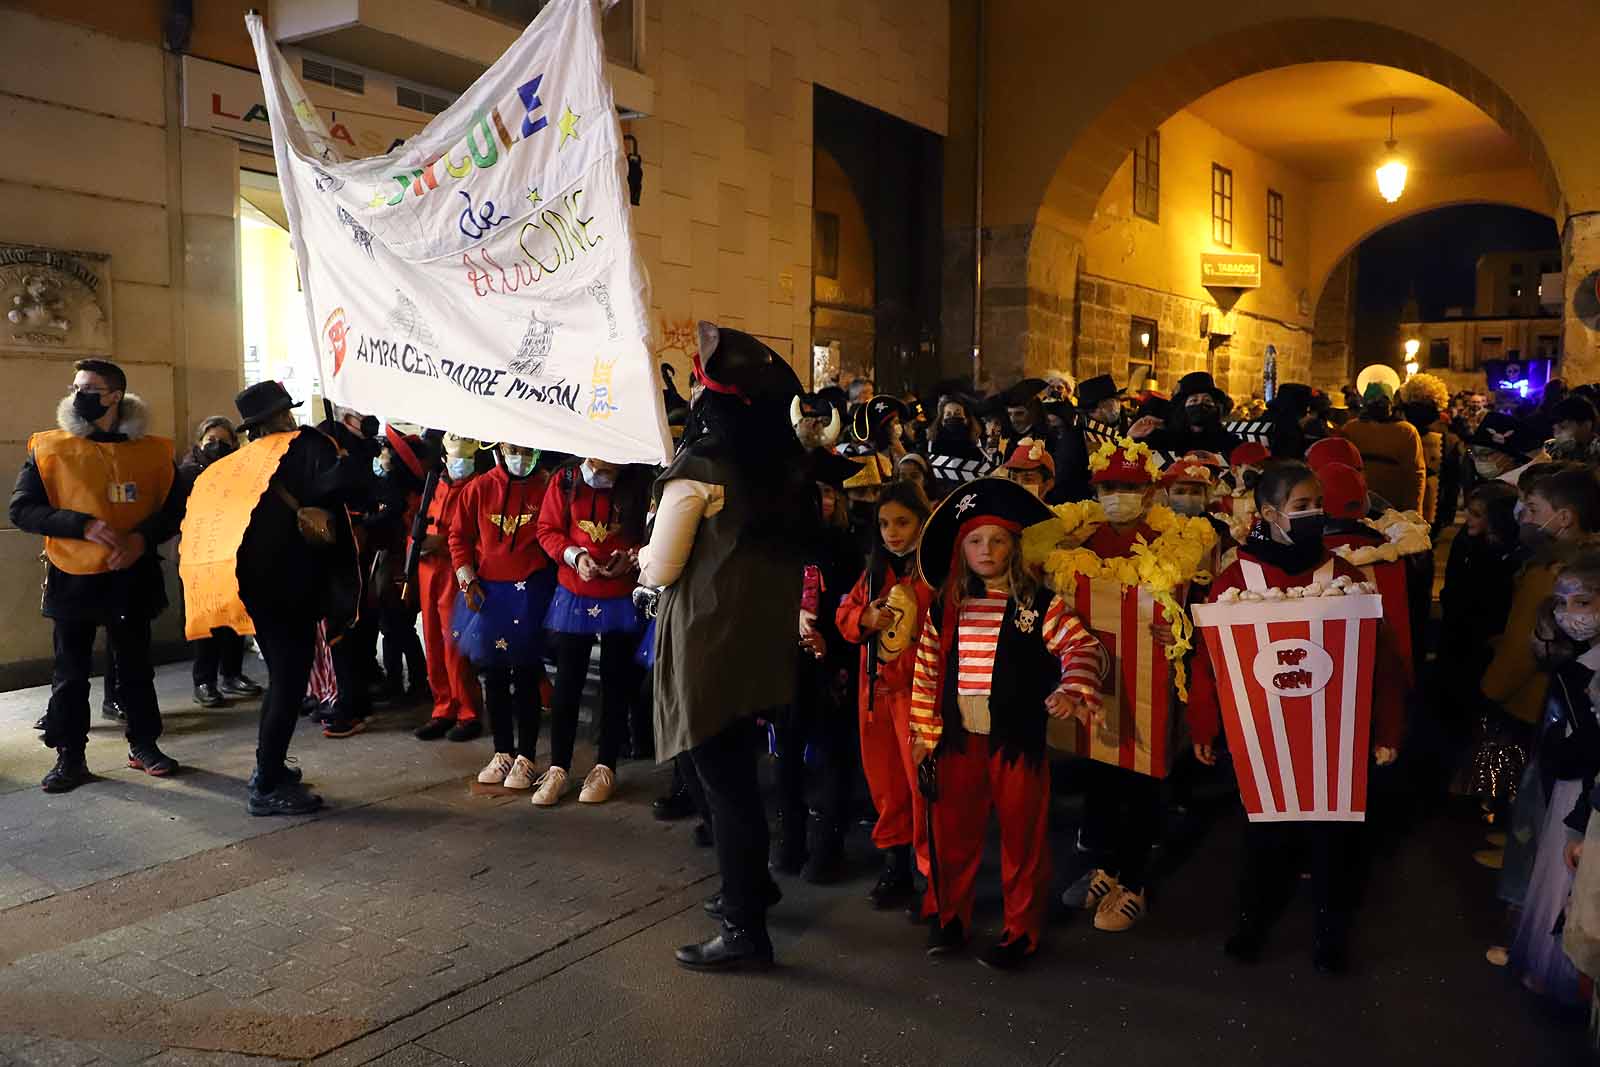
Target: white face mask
[458,468]
[1187,505]
[597,479]
[1122,508]
[1578,627]
[518,466]
[1487,466]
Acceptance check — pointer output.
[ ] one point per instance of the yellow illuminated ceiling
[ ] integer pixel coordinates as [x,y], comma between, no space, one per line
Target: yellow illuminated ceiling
[1329,121]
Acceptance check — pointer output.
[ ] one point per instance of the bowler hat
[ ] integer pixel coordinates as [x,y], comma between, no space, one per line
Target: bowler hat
[259,402]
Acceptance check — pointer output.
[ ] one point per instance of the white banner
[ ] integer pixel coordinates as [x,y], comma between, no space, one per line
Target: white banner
[481,278]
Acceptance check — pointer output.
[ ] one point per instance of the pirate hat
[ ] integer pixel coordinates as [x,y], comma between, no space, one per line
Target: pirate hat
[987,501]
[1499,432]
[733,363]
[869,417]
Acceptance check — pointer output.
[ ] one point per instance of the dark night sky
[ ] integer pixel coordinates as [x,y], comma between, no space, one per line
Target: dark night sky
[1436,252]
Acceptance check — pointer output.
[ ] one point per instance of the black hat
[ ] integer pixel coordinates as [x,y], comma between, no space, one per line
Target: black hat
[876,412]
[998,499]
[1024,391]
[830,468]
[731,362]
[1092,392]
[1502,433]
[1201,382]
[259,402]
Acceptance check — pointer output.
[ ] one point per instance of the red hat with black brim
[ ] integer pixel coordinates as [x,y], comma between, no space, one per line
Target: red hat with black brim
[985,502]
[1249,454]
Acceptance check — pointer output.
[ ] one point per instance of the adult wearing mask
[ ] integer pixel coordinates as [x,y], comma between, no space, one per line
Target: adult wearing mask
[1574,439]
[1099,411]
[105,494]
[296,567]
[736,513]
[1195,421]
[1501,448]
[224,650]
[1391,450]
[955,440]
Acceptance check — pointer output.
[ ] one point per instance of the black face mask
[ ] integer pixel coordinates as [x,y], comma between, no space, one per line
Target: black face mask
[88,405]
[953,428]
[1305,531]
[215,450]
[1202,415]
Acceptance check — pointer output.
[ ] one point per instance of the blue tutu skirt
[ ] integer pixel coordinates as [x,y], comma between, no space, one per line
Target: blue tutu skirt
[571,613]
[646,656]
[507,630]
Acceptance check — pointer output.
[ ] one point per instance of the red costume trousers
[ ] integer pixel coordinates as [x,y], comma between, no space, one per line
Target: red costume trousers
[971,782]
[892,776]
[450,677]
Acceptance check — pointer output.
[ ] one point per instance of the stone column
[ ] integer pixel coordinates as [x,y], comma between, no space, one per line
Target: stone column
[1580,340]
[1030,279]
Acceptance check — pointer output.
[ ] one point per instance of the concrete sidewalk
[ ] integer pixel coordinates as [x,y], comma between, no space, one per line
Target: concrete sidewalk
[418,922]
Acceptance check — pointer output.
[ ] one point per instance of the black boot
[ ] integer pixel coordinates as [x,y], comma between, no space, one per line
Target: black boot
[825,865]
[789,856]
[434,728]
[286,798]
[713,904]
[1330,951]
[735,948]
[895,886]
[71,771]
[946,939]
[677,804]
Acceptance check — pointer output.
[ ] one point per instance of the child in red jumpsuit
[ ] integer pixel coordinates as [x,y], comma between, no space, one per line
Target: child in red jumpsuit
[450,677]
[883,614]
[998,655]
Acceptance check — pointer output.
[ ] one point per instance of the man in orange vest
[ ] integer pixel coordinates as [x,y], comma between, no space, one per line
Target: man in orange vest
[105,495]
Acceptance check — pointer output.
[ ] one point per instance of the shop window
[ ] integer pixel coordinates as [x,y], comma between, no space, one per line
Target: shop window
[1147,178]
[1274,227]
[1221,205]
[1439,354]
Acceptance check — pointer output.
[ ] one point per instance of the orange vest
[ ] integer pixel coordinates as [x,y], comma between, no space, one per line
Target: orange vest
[122,483]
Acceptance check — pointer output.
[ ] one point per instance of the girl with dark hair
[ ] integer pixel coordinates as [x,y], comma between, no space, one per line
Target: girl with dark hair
[1285,549]
[728,547]
[883,614]
[592,524]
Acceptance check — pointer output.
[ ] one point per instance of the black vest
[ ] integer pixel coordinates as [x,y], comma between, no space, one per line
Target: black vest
[1025,673]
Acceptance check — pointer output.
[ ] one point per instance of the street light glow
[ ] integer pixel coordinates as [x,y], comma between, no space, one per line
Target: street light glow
[1392,178]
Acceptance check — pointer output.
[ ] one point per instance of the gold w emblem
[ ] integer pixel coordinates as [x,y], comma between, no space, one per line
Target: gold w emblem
[510,523]
[597,531]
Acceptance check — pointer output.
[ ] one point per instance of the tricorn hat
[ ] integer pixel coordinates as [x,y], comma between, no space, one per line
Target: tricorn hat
[733,363]
[259,402]
[987,501]
[868,417]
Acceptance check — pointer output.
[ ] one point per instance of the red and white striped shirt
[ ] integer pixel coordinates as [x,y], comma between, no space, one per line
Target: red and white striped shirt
[1083,660]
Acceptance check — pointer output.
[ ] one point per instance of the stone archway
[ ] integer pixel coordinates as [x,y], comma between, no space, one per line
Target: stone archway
[1031,268]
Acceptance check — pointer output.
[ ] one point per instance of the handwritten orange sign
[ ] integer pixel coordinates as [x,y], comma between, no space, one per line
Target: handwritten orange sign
[220,505]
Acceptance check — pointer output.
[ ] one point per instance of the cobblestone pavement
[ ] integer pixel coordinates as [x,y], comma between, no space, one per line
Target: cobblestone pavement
[420,922]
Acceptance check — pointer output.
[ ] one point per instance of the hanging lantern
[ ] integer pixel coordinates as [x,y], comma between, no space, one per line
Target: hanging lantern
[1392,173]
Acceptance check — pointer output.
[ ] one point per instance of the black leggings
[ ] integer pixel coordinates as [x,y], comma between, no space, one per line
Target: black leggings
[617,680]
[288,645]
[511,699]
[1122,814]
[816,718]
[223,650]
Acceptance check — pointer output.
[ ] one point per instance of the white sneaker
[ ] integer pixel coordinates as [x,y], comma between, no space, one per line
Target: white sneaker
[521,776]
[552,785]
[597,788]
[497,769]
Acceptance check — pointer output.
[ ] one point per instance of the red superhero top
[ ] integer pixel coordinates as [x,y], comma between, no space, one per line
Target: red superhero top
[1388,696]
[577,516]
[493,526]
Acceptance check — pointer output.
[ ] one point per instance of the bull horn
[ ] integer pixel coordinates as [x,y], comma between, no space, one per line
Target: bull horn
[794,410]
[831,436]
